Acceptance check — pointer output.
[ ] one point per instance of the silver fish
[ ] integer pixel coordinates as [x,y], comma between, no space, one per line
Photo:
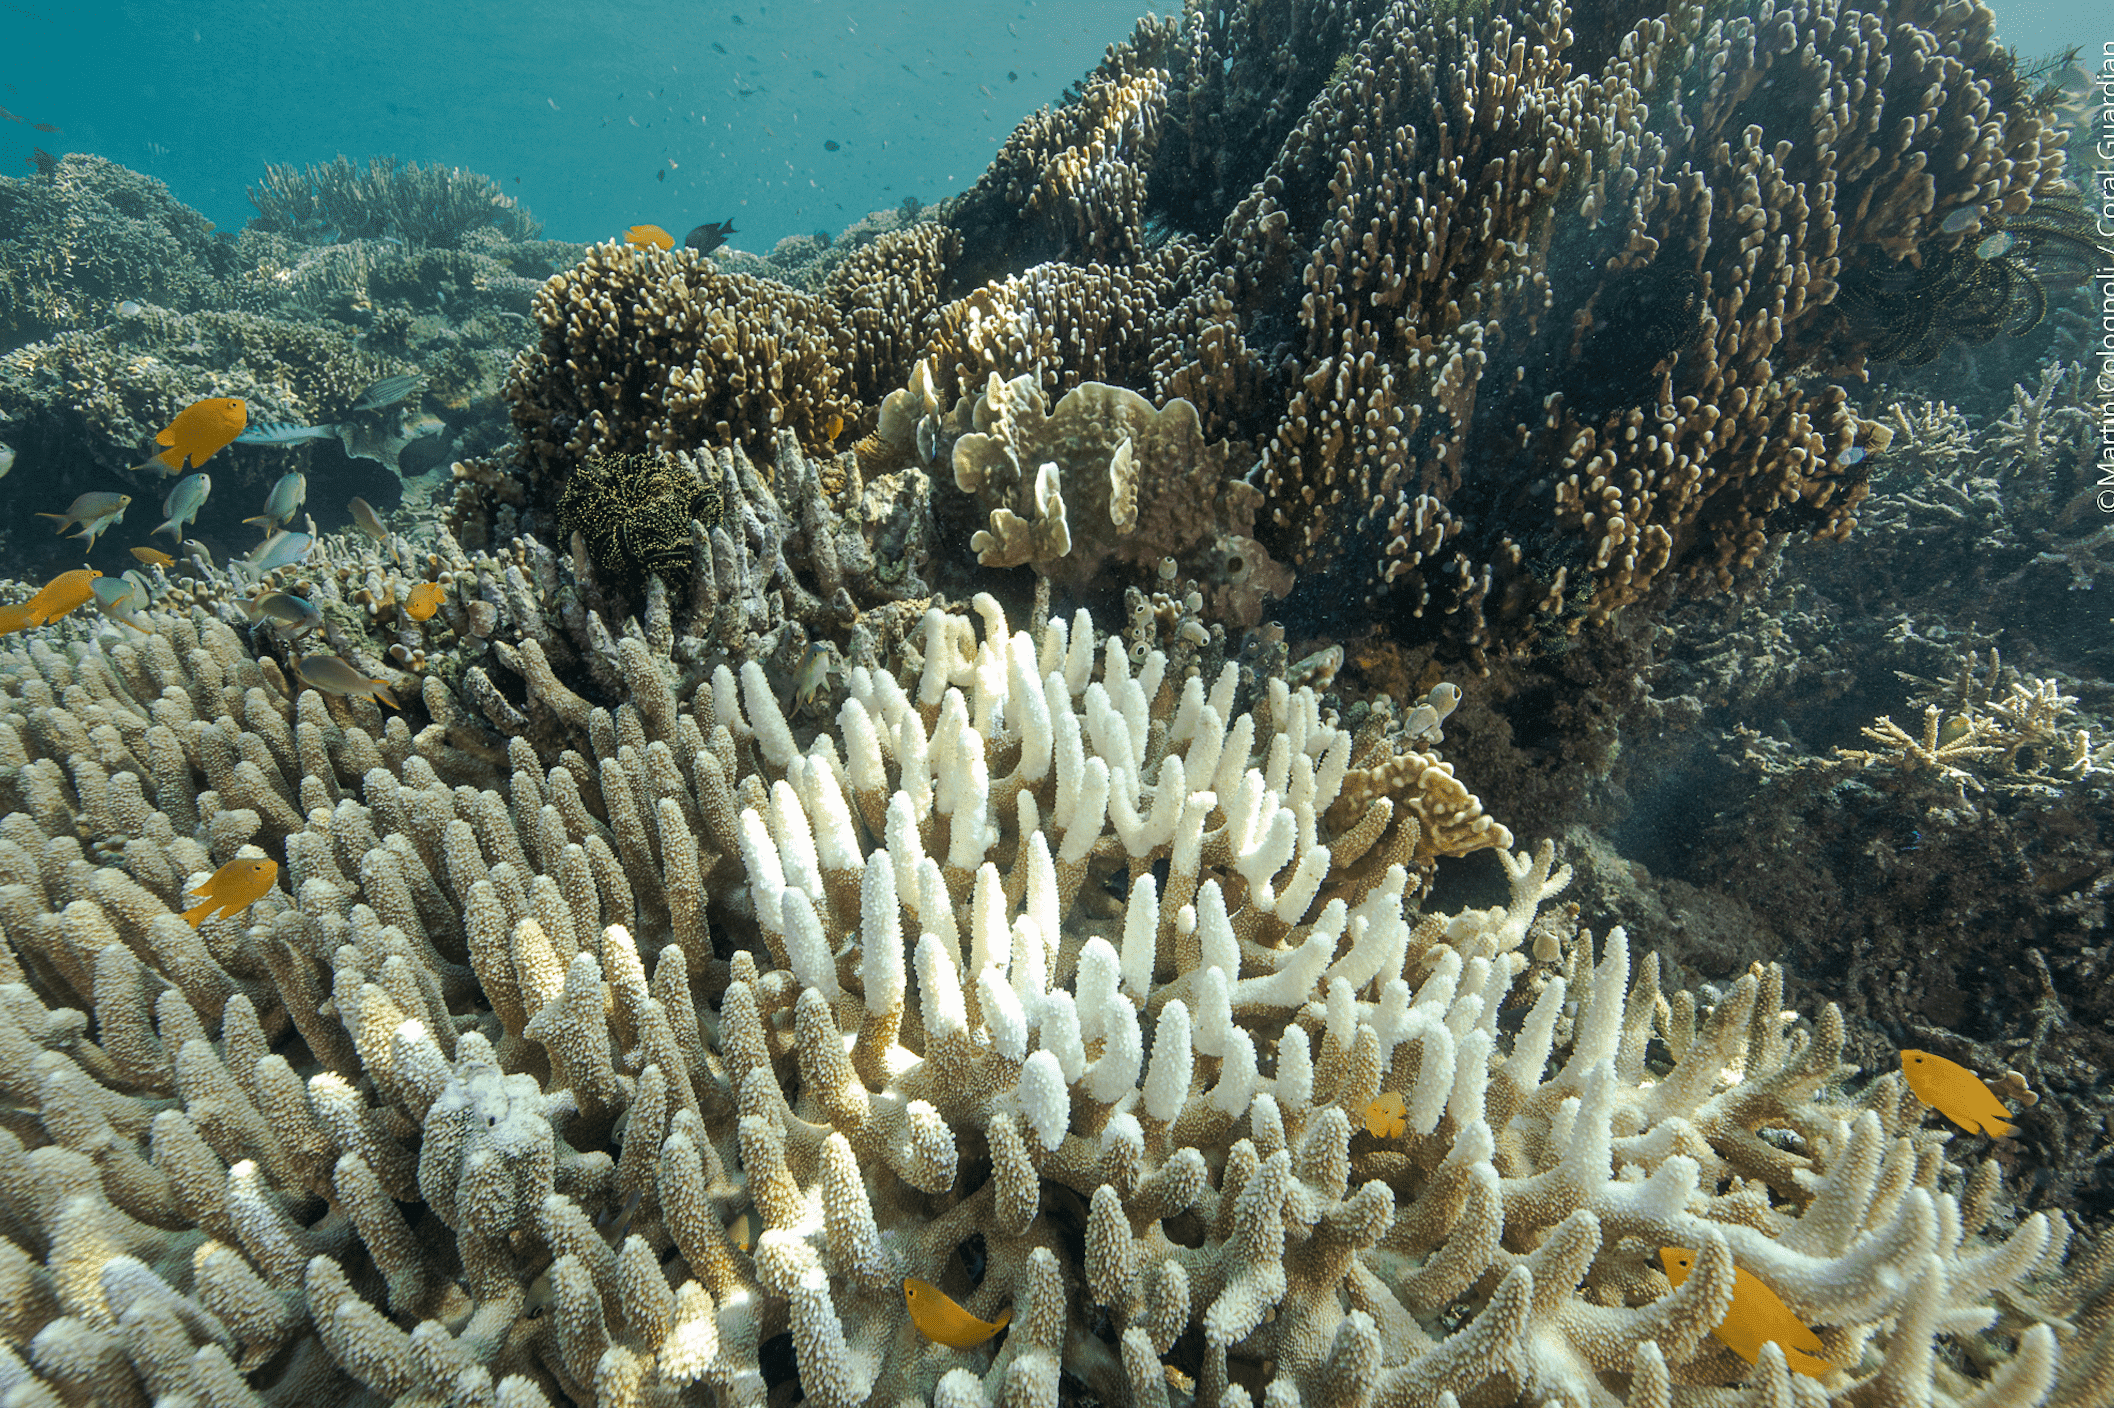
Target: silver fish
[280,432]
[183,503]
[335,676]
[279,505]
[118,598]
[298,614]
[94,512]
[369,522]
[7,459]
[281,549]
[386,392]
[128,309]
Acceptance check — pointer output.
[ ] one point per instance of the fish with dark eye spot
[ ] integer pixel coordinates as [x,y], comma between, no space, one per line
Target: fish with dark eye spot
[1754,1318]
[67,592]
[333,675]
[121,600]
[287,495]
[232,888]
[1956,1093]
[296,614]
[200,431]
[423,600]
[183,503]
[281,549]
[941,1319]
[94,512]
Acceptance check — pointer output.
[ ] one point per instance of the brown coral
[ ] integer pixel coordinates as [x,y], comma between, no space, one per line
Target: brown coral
[645,349]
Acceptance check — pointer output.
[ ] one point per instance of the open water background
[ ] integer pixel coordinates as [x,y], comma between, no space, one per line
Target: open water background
[597,114]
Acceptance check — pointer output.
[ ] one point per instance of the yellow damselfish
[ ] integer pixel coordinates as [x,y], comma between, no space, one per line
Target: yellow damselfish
[200,430]
[66,592]
[940,1319]
[1755,1317]
[1956,1093]
[424,599]
[1387,1117]
[233,888]
[649,236]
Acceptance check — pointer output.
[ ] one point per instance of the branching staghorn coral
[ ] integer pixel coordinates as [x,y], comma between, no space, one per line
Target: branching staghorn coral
[432,205]
[472,1108]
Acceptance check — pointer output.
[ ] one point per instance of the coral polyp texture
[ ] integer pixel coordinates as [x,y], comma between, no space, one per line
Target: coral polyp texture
[590,1074]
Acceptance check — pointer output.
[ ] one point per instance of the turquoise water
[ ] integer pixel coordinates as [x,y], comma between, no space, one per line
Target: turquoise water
[596,116]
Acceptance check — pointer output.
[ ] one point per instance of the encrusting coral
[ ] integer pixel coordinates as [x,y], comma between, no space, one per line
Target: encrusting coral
[1094,967]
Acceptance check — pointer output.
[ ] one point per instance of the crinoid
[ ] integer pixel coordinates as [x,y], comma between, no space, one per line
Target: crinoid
[1909,310]
[633,512]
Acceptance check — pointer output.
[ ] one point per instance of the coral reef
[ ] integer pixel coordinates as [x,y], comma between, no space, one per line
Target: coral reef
[475,1107]
[335,202]
[89,234]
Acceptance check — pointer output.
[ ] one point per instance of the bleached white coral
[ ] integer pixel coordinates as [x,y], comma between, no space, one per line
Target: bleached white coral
[1037,947]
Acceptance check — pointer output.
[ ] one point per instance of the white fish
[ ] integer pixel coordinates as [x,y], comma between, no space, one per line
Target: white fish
[183,503]
[281,549]
[279,505]
[7,459]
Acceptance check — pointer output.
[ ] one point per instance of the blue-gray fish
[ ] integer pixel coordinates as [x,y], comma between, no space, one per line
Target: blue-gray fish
[118,598]
[281,549]
[7,460]
[370,523]
[297,614]
[279,505]
[94,512]
[386,392]
[183,503]
[333,675]
[281,432]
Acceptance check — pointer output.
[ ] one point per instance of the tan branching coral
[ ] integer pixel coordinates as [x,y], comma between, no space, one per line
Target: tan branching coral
[645,349]
[473,1107]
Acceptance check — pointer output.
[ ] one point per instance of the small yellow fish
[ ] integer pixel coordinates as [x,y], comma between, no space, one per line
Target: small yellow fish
[1956,1093]
[649,236]
[940,1319]
[94,512]
[233,888]
[153,557]
[199,431]
[1387,1117]
[66,592]
[832,428]
[15,618]
[335,676]
[743,1229]
[424,600]
[1755,1317]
